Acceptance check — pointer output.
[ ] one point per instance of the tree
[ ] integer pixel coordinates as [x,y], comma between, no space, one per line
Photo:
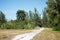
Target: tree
[31,14]
[44,18]
[37,19]
[53,11]
[21,15]
[58,15]
[2,18]
[58,4]
[27,16]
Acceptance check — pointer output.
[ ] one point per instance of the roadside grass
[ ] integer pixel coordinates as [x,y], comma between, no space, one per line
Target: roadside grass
[36,28]
[48,34]
[10,33]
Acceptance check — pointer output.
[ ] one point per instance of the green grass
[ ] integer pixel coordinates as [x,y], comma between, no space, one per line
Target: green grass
[48,34]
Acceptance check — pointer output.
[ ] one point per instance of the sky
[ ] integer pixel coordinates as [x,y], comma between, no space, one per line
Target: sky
[10,7]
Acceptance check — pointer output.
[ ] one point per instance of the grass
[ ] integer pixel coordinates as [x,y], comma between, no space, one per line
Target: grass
[48,34]
[37,27]
[9,34]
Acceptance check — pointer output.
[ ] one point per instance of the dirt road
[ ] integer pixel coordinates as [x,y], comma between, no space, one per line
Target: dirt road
[27,36]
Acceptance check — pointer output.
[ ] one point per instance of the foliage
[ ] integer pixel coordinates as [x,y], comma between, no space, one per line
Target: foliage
[53,11]
[37,19]
[45,18]
[24,20]
[21,15]
[2,18]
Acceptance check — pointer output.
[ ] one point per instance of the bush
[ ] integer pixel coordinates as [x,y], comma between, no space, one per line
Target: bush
[7,26]
[30,26]
[18,25]
[57,27]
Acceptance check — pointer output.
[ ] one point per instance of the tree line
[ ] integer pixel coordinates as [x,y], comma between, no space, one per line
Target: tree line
[29,20]
[51,14]
[53,11]
[24,20]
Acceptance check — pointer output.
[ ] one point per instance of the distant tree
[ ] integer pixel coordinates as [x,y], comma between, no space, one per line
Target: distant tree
[44,18]
[31,14]
[36,14]
[37,18]
[21,15]
[2,18]
[27,16]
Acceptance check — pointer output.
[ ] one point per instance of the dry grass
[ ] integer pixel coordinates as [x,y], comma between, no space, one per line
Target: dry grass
[8,34]
[48,34]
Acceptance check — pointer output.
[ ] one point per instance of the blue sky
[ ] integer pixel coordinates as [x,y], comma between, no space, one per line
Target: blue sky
[10,7]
